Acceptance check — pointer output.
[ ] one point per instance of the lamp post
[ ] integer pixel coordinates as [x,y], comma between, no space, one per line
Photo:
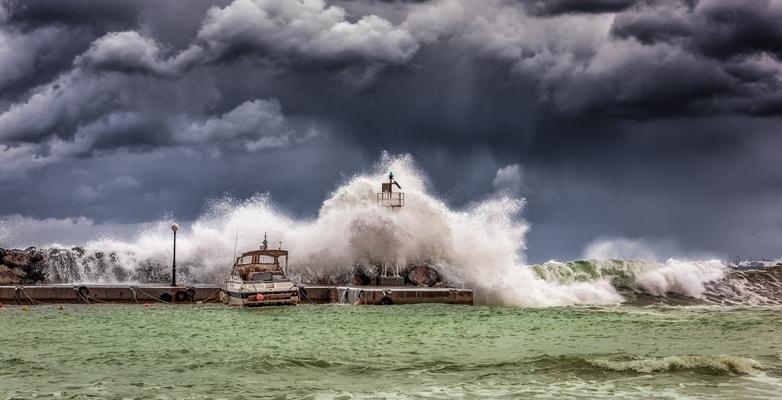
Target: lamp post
[174,228]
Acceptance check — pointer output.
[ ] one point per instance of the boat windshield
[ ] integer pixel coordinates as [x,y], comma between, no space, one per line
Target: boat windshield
[257,259]
[266,260]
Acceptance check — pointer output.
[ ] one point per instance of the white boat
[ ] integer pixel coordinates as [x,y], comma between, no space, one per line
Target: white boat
[258,278]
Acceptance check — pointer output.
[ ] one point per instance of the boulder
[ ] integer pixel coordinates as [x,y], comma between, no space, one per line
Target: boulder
[423,275]
[360,277]
[31,261]
[24,259]
[11,276]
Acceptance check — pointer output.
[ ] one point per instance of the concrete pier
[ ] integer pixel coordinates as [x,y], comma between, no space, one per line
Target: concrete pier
[385,295]
[87,293]
[70,293]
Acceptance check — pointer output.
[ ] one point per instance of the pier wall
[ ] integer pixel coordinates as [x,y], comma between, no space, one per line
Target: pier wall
[41,294]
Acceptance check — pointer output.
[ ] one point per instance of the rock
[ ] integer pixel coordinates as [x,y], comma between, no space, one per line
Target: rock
[360,277]
[21,258]
[152,273]
[11,276]
[423,275]
[31,261]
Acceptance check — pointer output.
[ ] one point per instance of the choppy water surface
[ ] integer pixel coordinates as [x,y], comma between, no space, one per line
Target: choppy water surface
[422,351]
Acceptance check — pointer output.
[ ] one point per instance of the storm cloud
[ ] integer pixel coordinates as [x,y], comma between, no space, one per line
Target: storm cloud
[652,120]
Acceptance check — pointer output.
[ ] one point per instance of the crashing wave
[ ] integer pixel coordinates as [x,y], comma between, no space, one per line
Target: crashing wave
[481,247]
[673,281]
[720,364]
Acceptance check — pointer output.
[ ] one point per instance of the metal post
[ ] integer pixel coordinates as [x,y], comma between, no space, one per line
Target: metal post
[174,227]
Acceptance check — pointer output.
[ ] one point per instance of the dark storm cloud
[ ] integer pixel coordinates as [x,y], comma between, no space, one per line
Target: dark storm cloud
[557,7]
[96,14]
[614,117]
[33,58]
[43,37]
[742,41]
[714,28]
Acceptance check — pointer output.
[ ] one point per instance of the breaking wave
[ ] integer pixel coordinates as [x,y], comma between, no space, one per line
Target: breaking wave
[708,364]
[481,247]
[673,281]
[720,364]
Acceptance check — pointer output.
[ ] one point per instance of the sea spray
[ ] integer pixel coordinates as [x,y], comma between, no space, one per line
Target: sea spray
[687,278]
[480,246]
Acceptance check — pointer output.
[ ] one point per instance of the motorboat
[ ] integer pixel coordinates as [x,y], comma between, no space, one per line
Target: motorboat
[258,278]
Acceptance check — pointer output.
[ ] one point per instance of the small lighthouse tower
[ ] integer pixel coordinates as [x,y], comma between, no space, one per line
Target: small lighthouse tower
[387,197]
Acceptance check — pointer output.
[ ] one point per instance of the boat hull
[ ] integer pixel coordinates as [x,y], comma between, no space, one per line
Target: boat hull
[251,299]
[258,295]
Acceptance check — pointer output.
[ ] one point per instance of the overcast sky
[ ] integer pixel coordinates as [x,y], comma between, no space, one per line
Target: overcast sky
[653,120]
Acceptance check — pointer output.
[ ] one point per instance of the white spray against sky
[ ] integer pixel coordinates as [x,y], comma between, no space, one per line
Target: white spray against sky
[481,246]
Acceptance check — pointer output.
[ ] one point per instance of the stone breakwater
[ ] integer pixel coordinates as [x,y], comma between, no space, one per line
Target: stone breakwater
[61,265]
[22,266]
[633,281]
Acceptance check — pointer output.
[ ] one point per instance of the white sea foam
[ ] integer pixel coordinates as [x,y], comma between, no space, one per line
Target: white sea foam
[658,278]
[481,246]
[684,277]
[715,363]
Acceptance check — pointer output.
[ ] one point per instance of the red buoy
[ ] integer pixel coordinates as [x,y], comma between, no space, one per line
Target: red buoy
[259,297]
[146,305]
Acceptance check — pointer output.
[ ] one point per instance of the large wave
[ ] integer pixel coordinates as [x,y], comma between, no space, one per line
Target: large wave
[673,281]
[480,246]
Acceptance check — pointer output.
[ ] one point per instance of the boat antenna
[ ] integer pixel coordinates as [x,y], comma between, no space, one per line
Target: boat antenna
[265,242]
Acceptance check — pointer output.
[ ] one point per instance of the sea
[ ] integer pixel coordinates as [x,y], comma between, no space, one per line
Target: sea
[390,352]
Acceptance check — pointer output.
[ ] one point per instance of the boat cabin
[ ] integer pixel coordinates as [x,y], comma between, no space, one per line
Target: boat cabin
[262,265]
[257,278]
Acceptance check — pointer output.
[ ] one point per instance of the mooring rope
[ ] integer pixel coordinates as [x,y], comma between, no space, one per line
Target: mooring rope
[212,298]
[153,297]
[32,300]
[207,299]
[135,297]
[303,292]
[80,294]
[96,299]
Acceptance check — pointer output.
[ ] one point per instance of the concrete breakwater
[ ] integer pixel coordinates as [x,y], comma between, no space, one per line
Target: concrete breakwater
[56,275]
[61,265]
[89,294]
[36,266]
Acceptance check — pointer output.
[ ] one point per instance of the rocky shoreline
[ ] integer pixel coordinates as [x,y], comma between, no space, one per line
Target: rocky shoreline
[33,265]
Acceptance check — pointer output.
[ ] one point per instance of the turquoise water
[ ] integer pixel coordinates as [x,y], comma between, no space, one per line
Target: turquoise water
[403,352]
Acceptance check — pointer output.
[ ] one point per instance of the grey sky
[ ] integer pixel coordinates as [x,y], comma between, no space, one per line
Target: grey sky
[655,119]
